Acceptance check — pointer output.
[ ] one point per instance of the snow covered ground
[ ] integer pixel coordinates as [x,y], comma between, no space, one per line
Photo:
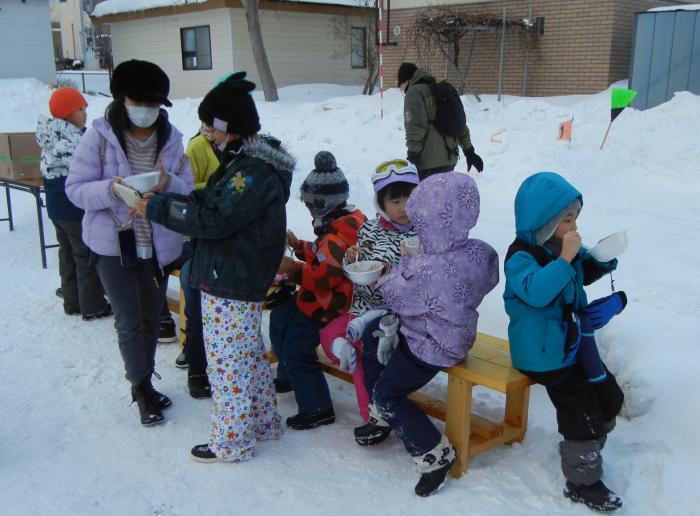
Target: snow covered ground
[71,444]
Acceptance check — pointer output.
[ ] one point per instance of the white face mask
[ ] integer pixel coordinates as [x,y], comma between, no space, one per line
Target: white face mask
[142,116]
[221,146]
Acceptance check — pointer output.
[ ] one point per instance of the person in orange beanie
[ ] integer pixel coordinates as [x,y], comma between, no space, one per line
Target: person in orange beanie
[58,137]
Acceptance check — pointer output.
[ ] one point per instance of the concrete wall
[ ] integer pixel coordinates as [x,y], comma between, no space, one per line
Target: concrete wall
[25,39]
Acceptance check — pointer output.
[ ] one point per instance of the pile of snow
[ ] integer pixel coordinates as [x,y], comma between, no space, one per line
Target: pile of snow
[125,6]
[685,7]
[73,445]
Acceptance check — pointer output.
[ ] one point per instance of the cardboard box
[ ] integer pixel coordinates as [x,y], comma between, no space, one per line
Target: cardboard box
[20,156]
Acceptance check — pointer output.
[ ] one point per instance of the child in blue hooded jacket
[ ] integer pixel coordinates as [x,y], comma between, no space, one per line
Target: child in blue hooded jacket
[551,329]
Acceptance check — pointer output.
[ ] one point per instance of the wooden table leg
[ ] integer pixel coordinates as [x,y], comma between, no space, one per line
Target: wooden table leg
[517,404]
[458,420]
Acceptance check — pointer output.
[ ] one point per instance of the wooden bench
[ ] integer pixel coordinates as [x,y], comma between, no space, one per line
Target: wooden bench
[488,365]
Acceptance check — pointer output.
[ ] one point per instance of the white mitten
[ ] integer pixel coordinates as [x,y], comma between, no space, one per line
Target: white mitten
[388,338]
[345,352]
[356,327]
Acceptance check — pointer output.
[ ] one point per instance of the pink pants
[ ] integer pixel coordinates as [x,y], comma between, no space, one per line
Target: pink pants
[337,328]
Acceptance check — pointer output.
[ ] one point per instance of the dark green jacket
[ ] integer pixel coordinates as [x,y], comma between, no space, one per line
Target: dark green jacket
[238,221]
[431,149]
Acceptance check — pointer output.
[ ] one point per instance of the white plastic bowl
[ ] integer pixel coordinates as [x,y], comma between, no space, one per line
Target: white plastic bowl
[412,246]
[143,182]
[610,247]
[127,194]
[364,272]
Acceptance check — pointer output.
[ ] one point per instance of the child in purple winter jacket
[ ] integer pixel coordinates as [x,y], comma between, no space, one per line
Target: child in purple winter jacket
[433,296]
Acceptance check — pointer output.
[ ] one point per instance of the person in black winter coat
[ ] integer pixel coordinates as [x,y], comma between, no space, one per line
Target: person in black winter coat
[238,226]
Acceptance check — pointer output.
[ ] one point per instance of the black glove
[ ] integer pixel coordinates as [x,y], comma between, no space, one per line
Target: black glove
[473,159]
[413,157]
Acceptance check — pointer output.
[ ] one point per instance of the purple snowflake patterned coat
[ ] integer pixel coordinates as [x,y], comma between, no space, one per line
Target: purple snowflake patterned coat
[436,293]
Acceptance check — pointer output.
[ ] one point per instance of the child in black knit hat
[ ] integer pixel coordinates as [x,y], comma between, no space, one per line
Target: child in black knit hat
[237,222]
[325,293]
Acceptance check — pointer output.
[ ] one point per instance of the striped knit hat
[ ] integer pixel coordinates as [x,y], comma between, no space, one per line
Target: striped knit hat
[325,187]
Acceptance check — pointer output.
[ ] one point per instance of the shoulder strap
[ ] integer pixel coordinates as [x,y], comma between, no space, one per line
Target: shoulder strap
[540,255]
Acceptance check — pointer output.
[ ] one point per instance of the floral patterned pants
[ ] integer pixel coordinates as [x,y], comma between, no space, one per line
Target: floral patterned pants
[245,406]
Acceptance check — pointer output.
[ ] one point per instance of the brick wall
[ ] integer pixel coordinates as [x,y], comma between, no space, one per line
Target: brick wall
[585,46]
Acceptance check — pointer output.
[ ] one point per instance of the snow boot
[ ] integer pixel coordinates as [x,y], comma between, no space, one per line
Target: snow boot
[375,431]
[158,399]
[309,421]
[434,465]
[596,496]
[151,414]
[198,385]
[106,312]
[202,453]
[59,292]
[181,361]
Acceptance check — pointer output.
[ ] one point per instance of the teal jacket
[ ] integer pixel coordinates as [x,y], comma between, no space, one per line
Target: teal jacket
[537,297]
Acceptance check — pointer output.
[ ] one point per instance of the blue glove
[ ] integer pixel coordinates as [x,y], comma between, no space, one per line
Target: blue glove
[599,312]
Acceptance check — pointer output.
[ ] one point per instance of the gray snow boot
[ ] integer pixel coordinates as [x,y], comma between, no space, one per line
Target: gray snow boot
[596,496]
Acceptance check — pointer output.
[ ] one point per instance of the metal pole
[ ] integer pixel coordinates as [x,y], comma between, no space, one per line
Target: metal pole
[380,6]
[527,51]
[500,60]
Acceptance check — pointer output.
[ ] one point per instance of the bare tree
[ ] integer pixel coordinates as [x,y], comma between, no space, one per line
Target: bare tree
[341,29]
[252,15]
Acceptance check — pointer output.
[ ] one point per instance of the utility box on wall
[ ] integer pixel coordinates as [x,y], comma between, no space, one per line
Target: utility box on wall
[665,54]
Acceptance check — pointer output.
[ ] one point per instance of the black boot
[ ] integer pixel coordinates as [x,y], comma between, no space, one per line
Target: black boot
[596,496]
[158,399]
[436,465]
[282,386]
[308,421]
[375,431]
[198,385]
[151,414]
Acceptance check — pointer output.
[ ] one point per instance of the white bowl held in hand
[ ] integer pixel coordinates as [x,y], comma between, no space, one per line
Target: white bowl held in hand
[143,182]
[127,194]
[411,246]
[364,272]
[610,247]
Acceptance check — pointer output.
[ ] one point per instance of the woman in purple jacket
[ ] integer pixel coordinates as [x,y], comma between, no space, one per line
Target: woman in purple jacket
[433,296]
[134,137]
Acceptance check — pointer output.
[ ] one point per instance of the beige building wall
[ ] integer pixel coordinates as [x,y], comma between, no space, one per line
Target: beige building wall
[158,40]
[299,47]
[68,15]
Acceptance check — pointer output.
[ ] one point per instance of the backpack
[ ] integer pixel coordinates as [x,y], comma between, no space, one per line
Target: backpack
[450,119]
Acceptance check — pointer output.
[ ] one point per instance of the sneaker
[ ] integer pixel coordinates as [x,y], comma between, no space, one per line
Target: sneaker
[150,413]
[202,453]
[596,496]
[168,332]
[99,315]
[370,434]
[181,361]
[59,292]
[198,385]
[308,421]
[436,465]
[282,386]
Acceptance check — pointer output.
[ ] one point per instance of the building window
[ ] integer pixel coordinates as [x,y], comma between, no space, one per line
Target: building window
[196,48]
[358,47]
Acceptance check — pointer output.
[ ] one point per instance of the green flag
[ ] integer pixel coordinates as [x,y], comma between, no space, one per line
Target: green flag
[619,100]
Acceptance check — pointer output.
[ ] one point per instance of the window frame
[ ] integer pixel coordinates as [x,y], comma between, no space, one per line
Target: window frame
[189,54]
[364,48]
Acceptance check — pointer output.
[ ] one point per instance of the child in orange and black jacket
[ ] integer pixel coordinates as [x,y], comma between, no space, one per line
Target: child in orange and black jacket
[325,293]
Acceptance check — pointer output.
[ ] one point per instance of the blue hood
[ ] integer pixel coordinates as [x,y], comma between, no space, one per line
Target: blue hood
[540,198]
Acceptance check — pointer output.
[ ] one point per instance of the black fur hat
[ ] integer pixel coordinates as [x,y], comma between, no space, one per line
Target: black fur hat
[229,107]
[141,81]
